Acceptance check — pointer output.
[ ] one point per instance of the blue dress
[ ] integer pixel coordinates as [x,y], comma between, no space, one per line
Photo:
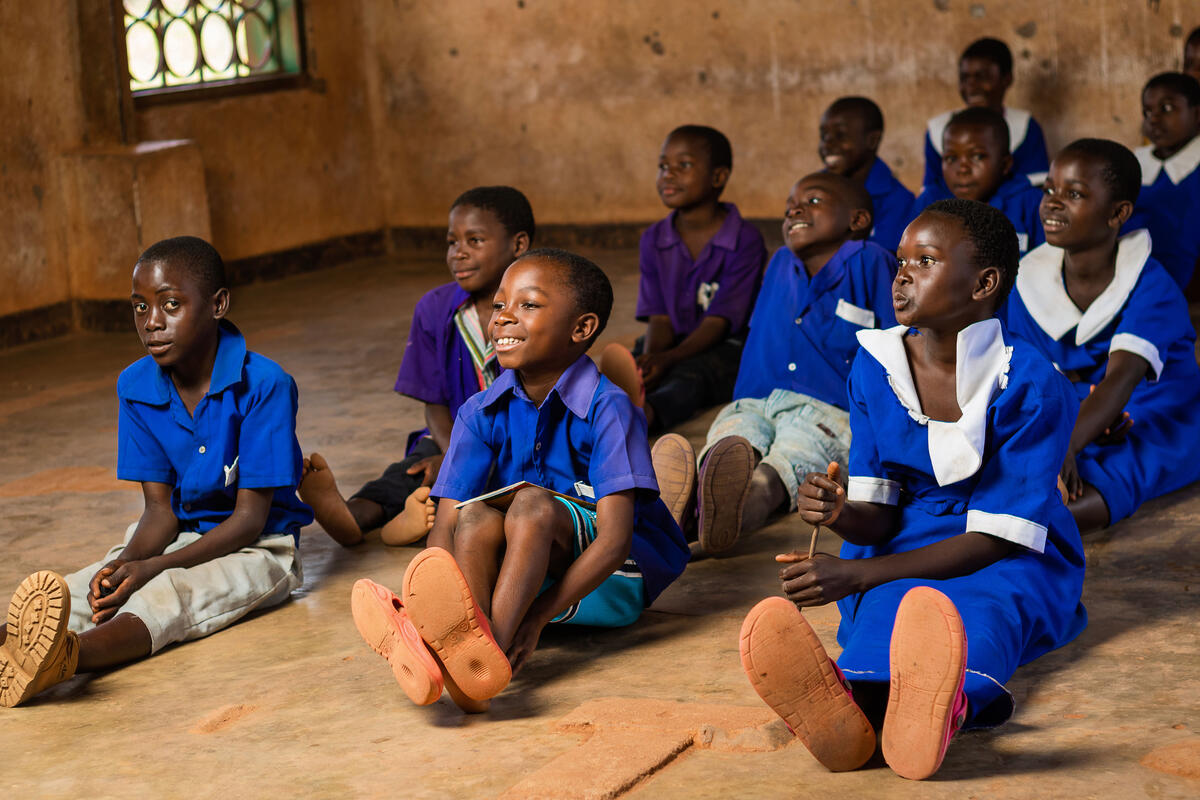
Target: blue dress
[1016,197]
[994,471]
[1168,206]
[1025,137]
[1142,311]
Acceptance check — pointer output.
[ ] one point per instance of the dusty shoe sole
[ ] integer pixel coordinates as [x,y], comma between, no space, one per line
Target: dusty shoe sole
[792,673]
[37,625]
[674,463]
[618,365]
[721,490]
[928,655]
[380,618]
[446,615]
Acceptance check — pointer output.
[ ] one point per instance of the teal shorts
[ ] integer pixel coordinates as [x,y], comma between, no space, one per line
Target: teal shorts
[613,604]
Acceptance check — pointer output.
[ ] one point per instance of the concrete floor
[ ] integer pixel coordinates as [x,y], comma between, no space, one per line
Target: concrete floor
[293,703]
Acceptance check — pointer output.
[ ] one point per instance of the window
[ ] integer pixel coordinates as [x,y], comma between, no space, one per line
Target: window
[176,47]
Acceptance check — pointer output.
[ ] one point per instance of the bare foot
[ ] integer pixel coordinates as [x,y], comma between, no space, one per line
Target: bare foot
[413,522]
[319,489]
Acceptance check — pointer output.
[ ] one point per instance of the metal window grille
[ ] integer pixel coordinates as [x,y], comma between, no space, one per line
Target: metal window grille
[174,45]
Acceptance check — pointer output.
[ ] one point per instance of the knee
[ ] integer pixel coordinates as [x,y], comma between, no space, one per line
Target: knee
[478,523]
[532,513]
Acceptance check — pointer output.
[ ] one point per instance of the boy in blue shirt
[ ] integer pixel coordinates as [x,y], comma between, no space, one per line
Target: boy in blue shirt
[789,412]
[447,358]
[984,76]
[700,270]
[977,165]
[851,129]
[209,429]
[587,540]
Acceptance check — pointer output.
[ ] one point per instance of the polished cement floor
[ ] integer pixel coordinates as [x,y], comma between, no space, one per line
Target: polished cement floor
[292,703]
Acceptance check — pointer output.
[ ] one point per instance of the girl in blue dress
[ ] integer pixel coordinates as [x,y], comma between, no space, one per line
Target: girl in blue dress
[961,562]
[1113,320]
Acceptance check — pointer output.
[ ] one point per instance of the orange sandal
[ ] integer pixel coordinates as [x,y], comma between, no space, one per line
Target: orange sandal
[380,617]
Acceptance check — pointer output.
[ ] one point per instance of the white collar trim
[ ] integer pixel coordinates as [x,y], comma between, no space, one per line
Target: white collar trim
[1018,126]
[1040,284]
[981,372]
[1178,166]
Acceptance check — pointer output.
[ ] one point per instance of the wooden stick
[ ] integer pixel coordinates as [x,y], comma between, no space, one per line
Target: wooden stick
[812,544]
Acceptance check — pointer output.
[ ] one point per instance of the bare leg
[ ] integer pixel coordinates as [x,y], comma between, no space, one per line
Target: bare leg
[344,522]
[538,532]
[1090,510]
[122,639]
[477,547]
[766,496]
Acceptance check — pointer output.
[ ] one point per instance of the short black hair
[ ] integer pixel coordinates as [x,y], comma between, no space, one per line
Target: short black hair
[199,259]
[864,107]
[1178,82]
[1193,37]
[720,151]
[984,117]
[854,192]
[992,50]
[1119,167]
[508,204]
[589,286]
[992,234]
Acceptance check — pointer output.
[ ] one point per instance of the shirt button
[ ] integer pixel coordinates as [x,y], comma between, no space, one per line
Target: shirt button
[537,446]
[792,367]
[187,506]
[799,320]
[201,449]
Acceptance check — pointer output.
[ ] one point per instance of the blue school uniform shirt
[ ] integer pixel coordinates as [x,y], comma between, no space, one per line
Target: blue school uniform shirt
[892,201]
[586,431]
[1016,197]
[721,282]
[802,332]
[242,435]
[1169,206]
[993,471]
[1142,311]
[436,367]
[1026,141]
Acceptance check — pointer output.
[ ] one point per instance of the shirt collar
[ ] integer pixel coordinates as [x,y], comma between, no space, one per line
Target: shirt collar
[154,387]
[1177,167]
[1017,120]
[981,372]
[576,386]
[835,268]
[726,236]
[1040,284]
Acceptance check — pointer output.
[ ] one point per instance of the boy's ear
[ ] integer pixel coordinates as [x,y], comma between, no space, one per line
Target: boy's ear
[873,139]
[520,244]
[1007,163]
[1121,213]
[1007,81]
[220,301]
[987,284]
[860,220]
[585,327]
[720,177]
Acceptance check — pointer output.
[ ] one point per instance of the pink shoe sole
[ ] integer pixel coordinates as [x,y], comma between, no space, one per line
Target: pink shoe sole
[792,673]
[446,615]
[380,618]
[926,704]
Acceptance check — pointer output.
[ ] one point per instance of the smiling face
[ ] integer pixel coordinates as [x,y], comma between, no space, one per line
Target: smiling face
[846,147]
[535,324]
[936,278]
[819,216]
[176,321]
[974,161]
[479,249]
[686,177]
[1168,120]
[981,83]
[1078,210]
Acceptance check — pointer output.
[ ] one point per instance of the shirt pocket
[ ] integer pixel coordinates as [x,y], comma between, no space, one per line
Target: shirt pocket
[862,317]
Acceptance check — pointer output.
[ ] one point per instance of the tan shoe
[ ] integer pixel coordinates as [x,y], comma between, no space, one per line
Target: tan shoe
[39,651]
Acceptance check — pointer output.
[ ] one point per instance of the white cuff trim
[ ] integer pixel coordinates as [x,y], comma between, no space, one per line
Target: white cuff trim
[873,490]
[1139,347]
[1006,526]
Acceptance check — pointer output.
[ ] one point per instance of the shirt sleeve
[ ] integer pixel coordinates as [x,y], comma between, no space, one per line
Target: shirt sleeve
[620,456]
[868,480]
[469,458]
[422,374]
[739,279]
[1155,317]
[1030,155]
[1030,427]
[268,454]
[140,456]
[650,301]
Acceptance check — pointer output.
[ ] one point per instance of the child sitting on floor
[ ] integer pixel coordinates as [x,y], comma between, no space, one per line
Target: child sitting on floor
[448,358]
[985,74]
[1102,309]
[217,539]
[961,562]
[789,412]
[976,165]
[588,541]
[851,129]
[700,270]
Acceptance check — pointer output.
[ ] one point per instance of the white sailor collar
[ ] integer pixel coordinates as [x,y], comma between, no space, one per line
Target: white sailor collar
[1040,284]
[981,372]
[1017,119]
[1178,166]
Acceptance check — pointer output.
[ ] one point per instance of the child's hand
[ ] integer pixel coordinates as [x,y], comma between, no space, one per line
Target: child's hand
[821,579]
[654,366]
[821,496]
[524,642]
[95,589]
[429,467]
[1070,478]
[118,586]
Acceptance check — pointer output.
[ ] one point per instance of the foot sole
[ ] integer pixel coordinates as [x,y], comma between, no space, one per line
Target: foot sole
[722,487]
[411,524]
[397,640]
[36,626]
[674,463]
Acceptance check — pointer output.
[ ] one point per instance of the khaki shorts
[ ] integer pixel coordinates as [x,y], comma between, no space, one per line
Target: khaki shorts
[182,604]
